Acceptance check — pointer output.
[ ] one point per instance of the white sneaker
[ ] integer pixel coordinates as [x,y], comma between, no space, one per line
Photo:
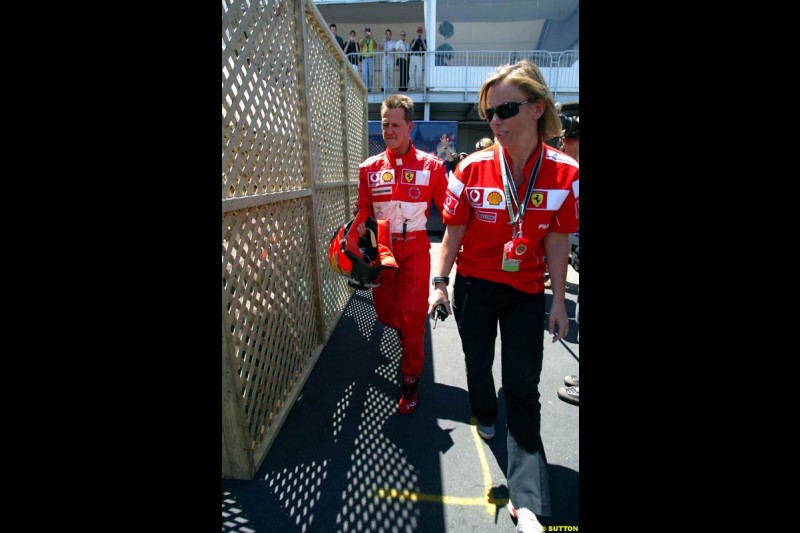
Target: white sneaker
[570,394]
[526,520]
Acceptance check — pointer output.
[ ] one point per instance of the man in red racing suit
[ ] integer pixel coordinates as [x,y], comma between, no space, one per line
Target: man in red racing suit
[398,185]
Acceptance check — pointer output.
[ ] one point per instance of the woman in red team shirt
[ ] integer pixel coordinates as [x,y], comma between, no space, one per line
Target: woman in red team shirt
[507,207]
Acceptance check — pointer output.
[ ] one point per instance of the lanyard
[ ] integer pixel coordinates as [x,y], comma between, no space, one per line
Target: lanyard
[511,192]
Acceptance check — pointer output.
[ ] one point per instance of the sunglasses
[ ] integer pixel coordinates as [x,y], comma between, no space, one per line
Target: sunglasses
[507,110]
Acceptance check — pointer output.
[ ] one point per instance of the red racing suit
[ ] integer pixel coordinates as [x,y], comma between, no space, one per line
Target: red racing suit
[476,197]
[400,190]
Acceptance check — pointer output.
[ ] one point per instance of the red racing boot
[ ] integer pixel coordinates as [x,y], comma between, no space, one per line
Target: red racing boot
[408,399]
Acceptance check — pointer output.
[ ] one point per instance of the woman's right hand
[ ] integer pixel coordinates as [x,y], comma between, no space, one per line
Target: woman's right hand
[438,296]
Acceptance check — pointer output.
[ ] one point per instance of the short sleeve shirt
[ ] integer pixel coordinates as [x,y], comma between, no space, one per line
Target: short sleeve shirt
[476,198]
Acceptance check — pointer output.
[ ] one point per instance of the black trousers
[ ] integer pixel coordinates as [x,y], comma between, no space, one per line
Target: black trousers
[478,307]
[403,64]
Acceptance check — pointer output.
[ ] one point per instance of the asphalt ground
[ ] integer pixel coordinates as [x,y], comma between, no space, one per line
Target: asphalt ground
[345,460]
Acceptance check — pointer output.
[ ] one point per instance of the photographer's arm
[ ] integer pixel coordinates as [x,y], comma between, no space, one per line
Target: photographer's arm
[447,153]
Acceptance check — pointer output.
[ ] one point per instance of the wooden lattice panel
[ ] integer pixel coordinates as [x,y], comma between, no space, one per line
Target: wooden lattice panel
[268,298]
[332,210]
[262,148]
[291,105]
[326,115]
[356,120]
[353,195]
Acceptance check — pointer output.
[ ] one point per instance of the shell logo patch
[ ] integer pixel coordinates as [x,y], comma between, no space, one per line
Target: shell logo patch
[486,198]
[381,177]
[494,198]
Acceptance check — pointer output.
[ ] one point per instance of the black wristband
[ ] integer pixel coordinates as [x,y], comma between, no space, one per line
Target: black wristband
[441,279]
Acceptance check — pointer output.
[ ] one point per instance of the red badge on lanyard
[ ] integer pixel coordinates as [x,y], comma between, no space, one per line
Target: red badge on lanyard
[515,249]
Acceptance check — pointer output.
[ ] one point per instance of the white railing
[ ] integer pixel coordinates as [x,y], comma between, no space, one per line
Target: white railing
[465,71]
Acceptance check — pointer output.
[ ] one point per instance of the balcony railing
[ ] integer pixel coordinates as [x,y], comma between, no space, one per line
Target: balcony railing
[462,71]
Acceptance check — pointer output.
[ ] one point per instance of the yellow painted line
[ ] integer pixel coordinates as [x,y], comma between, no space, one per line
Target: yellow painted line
[485,500]
[417,497]
[487,478]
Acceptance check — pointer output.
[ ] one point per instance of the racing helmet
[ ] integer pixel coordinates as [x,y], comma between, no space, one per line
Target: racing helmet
[356,257]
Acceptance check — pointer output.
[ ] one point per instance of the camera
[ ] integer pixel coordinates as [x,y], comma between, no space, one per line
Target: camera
[570,126]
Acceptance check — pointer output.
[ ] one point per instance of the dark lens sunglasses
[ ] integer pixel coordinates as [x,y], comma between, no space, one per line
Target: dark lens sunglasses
[507,110]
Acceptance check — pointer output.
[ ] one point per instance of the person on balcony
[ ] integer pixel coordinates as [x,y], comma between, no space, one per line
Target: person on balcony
[367,46]
[401,51]
[418,47]
[387,72]
[351,47]
[339,40]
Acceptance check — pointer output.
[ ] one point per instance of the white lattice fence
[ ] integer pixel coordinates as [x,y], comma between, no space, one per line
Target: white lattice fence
[294,130]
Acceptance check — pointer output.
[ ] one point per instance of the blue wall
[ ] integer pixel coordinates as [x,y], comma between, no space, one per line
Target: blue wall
[425,135]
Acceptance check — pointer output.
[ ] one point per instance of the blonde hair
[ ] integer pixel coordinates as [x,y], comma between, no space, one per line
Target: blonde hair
[527,76]
[483,143]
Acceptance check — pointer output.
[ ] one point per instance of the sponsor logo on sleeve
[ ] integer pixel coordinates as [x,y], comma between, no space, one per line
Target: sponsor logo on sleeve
[486,198]
[450,204]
